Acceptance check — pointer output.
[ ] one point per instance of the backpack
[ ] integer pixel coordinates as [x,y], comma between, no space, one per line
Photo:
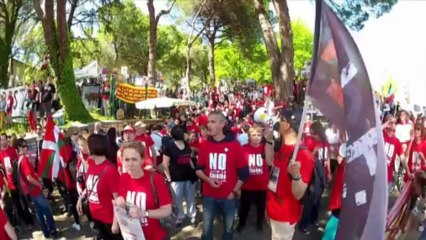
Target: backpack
[317,184]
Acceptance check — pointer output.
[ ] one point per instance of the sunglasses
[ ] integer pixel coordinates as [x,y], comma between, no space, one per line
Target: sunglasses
[24,146]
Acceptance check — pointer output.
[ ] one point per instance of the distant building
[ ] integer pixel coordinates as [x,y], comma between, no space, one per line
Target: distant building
[16,72]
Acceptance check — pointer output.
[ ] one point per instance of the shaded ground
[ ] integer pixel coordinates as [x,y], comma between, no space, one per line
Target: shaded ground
[194,233]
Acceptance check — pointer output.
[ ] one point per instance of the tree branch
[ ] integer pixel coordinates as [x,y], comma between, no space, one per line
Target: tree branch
[38,9]
[74,5]
[164,12]
[4,11]
[190,40]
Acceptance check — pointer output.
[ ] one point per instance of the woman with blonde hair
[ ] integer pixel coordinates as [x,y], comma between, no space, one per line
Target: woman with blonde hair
[254,188]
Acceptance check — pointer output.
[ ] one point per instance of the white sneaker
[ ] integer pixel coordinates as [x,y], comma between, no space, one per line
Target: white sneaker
[76,226]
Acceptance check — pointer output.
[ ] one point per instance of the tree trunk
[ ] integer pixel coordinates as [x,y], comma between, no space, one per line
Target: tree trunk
[58,44]
[188,65]
[281,61]
[287,51]
[212,74]
[6,41]
[152,57]
[4,65]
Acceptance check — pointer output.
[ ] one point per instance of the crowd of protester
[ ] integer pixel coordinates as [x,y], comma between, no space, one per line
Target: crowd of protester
[215,151]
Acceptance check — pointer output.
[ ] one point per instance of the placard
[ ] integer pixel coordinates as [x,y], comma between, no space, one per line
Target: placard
[130,228]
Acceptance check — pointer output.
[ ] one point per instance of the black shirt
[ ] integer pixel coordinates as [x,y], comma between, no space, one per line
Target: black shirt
[180,163]
[48,92]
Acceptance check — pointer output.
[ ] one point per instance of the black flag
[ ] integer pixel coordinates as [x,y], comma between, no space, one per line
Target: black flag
[340,88]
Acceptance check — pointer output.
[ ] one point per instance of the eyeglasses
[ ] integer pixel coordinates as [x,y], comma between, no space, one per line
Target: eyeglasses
[24,146]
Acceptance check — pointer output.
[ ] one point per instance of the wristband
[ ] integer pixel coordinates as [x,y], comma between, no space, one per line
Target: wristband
[147,214]
[297,178]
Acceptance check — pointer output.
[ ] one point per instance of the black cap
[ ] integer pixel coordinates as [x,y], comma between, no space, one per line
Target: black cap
[293,117]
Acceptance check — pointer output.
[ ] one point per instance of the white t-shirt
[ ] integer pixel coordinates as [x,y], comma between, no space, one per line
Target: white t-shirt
[156,138]
[332,137]
[402,132]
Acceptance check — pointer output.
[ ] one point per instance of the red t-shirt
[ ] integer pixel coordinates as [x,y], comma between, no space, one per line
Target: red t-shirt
[221,161]
[3,222]
[27,169]
[139,192]
[202,120]
[7,157]
[101,182]
[259,172]
[195,144]
[282,206]
[336,194]
[193,128]
[105,90]
[145,138]
[415,162]
[393,147]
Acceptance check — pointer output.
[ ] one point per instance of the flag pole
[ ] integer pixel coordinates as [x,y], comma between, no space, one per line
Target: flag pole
[311,74]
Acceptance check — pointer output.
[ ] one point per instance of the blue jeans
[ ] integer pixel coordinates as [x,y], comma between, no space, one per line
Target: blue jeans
[184,190]
[211,208]
[44,215]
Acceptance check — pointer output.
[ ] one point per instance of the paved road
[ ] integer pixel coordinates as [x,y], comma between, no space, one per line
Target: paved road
[193,233]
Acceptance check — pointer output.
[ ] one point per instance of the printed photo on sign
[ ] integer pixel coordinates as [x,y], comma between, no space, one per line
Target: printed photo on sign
[130,228]
[273,179]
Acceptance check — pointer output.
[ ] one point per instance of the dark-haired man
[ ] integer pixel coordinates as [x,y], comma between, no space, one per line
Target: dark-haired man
[289,180]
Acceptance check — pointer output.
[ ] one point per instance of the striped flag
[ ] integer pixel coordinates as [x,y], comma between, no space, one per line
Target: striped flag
[340,88]
[50,161]
[397,216]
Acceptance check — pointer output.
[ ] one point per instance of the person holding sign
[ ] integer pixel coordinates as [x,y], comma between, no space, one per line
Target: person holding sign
[289,179]
[143,194]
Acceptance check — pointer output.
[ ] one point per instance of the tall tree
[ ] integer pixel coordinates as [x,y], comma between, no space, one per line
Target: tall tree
[126,28]
[281,58]
[353,13]
[153,24]
[191,40]
[13,14]
[56,35]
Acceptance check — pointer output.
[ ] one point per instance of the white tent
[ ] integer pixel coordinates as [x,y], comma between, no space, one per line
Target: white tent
[89,71]
[162,102]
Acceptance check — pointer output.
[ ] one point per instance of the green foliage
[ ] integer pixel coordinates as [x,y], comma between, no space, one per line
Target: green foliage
[302,44]
[171,45]
[17,128]
[127,29]
[355,13]
[233,63]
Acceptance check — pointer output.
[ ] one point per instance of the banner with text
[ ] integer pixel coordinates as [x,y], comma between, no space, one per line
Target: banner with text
[133,94]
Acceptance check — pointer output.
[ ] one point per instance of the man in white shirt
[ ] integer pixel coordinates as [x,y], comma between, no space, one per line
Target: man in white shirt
[157,138]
